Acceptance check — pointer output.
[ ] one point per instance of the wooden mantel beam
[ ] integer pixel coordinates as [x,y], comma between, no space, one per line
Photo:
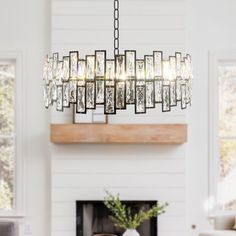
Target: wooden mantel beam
[122,133]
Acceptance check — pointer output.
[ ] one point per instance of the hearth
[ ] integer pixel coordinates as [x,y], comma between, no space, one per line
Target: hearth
[92,217]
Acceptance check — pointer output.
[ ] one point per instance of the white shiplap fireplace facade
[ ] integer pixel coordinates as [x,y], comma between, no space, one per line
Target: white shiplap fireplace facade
[137,172]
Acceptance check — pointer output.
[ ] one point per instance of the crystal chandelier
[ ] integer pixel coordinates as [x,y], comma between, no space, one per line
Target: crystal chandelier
[116,83]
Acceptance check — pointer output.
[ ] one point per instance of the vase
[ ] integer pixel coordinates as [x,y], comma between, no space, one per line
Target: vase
[131,232]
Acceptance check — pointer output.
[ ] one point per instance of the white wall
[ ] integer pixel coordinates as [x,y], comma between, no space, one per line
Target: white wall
[211,26]
[135,171]
[24,27]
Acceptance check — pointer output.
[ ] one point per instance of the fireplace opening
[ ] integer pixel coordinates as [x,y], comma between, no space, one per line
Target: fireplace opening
[93,219]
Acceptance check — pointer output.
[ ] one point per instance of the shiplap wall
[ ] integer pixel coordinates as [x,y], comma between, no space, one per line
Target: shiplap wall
[135,171]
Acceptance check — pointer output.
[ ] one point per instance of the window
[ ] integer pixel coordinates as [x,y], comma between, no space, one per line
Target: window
[227,136]
[7,134]
[222,132]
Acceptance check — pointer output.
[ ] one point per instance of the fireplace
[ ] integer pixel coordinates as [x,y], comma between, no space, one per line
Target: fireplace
[92,217]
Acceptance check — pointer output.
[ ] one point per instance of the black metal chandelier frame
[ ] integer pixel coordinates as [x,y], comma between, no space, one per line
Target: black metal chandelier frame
[116,83]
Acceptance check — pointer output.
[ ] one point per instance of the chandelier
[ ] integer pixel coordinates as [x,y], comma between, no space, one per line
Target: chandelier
[118,82]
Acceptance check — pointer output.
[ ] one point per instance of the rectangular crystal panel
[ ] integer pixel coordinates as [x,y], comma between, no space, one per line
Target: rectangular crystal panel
[158,90]
[183,96]
[187,62]
[166,70]
[90,95]
[110,72]
[53,91]
[81,72]
[173,101]
[130,91]
[109,107]
[190,66]
[66,68]
[59,105]
[166,98]
[150,102]
[66,94]
[73,93]
[178,64]
[90,67]
[158,58]
[100,63]
[50,70]
[130,57]
[189,58]
[188,91]
[120,95]
[46,95]
[59,72]
[120,67]
[50,94]
[178,89]
[172,68]
[100,86]
[149,67]
[110,100]
[74,56]
[140,106]
[183,69]
[54,64]
[140,71]
[80,106]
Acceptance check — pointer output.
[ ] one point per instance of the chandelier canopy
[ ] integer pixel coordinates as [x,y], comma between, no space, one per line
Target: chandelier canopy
[116,83]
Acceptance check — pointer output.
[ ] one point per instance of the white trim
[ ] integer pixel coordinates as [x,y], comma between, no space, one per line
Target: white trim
[228,137]
[8,136]
[215,59]
[20,100]
[11,217]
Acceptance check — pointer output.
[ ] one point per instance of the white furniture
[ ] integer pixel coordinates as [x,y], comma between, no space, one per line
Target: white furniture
[222,227]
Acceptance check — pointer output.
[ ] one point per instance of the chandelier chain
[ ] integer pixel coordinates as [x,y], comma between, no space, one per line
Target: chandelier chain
[116,27]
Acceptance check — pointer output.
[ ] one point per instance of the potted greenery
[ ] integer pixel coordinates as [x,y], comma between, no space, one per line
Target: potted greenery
[123,218]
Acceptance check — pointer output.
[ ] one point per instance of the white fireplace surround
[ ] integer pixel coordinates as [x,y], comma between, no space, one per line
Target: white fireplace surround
[140,177]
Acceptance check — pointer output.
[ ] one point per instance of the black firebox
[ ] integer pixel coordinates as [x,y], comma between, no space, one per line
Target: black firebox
[92,217]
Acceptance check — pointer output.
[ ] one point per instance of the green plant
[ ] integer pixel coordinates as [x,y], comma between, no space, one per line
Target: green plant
[122,214]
